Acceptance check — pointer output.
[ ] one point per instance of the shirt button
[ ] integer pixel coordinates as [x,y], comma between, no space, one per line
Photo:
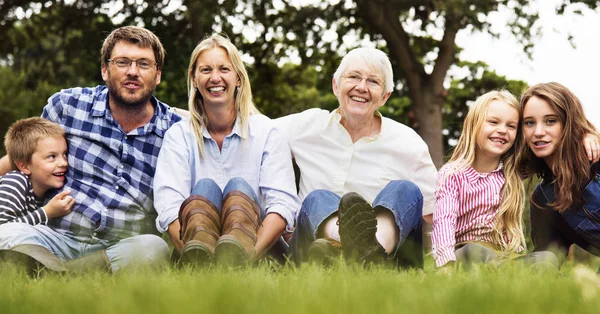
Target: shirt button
[94,234]
[125,136]
[116,187]
[121,166]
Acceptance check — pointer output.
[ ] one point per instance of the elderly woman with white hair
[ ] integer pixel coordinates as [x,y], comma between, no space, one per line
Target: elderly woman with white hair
[224,183]
[365,180]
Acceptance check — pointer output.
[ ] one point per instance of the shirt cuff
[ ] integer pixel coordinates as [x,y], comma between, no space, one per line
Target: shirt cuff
[444,257]
[165,219]
[286,214]
[44,216]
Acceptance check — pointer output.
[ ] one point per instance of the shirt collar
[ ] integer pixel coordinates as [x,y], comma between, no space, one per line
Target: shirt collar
[472,174]
[237,130]
[335,118]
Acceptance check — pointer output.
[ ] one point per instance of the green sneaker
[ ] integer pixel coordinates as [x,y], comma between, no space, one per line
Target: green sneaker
[357,230]
[324,251]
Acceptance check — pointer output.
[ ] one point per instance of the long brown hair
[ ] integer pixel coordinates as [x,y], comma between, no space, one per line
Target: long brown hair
[571,167]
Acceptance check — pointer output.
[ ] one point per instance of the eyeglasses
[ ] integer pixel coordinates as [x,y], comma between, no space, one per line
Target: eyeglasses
[356,79]
[125,63]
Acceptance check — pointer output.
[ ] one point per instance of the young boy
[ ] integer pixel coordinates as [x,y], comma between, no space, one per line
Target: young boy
[37,151]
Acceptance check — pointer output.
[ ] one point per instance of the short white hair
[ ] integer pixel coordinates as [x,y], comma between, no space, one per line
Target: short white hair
[375,59]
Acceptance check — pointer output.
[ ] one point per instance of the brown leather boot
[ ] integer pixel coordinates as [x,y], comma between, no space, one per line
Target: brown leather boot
[241,219]
[200,228]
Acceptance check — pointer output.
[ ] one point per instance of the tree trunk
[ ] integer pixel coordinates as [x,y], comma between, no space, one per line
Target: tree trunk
[428,115]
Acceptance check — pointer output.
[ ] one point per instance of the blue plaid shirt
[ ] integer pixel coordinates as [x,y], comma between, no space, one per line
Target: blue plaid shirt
[110,172]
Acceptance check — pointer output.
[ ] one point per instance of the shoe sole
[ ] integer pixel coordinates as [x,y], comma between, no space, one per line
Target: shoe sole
[21,262]
[322,253]
[230,253]
[358,225]
[195,254]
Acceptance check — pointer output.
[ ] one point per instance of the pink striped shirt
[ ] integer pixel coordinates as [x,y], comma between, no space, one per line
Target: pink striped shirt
[466,202]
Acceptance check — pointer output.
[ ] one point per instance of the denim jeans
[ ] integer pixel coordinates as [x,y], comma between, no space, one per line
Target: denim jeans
[403,198]
[551,230]
[142,250]
[209,189]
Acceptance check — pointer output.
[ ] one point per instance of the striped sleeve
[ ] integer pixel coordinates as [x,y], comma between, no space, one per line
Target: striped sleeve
[443,238]
[17,202]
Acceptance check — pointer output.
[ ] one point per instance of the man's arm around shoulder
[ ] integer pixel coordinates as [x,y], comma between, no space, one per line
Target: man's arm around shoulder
[4,165]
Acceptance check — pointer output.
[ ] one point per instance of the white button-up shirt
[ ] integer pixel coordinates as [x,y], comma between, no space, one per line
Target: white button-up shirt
[262,159]
[329,160]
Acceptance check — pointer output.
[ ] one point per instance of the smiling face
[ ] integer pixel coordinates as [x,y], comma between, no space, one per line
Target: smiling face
[48,165]
[131,87]
[542,128]
[360,91]
[215,78]
[499,130]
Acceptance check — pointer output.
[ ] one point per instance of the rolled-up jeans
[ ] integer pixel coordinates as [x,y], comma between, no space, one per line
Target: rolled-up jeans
[403,198]
[141,250]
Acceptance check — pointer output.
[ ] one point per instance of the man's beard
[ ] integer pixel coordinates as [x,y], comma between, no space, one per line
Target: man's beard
[129,104]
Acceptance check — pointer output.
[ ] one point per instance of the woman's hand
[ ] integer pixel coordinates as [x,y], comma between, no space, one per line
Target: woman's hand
[592,146]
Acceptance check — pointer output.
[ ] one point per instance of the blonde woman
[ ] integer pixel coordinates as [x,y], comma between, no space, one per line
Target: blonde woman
[224,184]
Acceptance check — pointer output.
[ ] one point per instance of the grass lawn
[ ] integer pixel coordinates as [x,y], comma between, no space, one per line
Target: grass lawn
[308,289]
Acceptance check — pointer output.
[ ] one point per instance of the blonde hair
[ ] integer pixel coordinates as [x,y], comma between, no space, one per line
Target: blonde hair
[508,218]
[244,107]
[22,137]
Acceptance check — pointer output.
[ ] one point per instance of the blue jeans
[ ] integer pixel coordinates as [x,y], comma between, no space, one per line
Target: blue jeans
[145,249]
[403,198]
[209,189]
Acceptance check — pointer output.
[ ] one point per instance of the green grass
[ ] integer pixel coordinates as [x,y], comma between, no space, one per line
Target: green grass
[308,289]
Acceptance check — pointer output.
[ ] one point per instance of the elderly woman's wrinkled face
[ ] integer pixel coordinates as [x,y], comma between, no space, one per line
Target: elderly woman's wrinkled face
[360,90]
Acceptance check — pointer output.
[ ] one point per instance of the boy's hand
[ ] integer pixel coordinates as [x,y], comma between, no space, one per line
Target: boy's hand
[59,205]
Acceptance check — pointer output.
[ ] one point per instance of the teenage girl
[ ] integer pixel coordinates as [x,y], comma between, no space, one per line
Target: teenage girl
[565,206]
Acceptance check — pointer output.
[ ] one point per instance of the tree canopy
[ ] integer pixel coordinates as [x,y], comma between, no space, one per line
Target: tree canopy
[292,51]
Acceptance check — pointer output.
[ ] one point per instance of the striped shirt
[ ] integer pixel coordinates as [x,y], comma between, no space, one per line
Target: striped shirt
[466,203]
[110,172]
[17,201]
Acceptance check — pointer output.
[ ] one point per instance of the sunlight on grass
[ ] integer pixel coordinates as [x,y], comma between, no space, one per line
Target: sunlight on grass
[307,289]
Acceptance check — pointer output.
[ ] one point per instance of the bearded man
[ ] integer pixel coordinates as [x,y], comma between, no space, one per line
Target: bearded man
[114,134]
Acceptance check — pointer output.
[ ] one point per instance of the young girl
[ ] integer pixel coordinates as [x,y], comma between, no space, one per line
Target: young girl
[480,195]
[565,206]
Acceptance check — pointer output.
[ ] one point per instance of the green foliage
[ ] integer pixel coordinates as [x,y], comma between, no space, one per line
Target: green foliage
[464,90]
[46,46]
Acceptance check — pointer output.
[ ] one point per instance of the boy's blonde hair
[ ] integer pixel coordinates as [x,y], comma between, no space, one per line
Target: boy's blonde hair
[22,137]
[508,218]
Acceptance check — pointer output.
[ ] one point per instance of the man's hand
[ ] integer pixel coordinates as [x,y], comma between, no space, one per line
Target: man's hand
[4,165]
